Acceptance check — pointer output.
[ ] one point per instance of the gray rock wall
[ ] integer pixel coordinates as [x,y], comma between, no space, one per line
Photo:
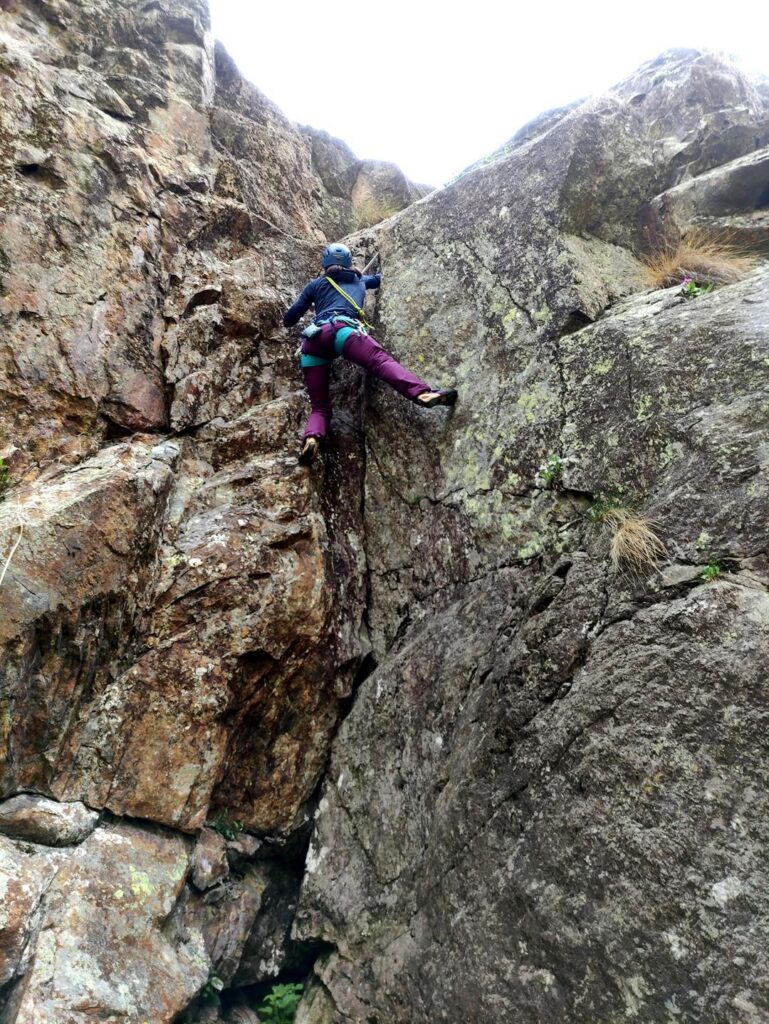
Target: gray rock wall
[546,803]
[545,794]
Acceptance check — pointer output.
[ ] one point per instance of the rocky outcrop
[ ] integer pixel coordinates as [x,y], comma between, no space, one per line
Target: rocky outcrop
[552,842]
[357,193]
[566,764]
[731,199]
[487,282]
[48,822]
[545,804]
[544,800]
[180,614]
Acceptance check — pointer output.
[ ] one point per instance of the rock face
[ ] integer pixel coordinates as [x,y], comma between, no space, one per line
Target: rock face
[111,897]
[546,803]
[180,615]
[39,820]
[545,794]
[358,193]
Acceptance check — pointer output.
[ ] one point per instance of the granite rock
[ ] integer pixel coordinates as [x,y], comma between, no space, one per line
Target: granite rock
[37,819]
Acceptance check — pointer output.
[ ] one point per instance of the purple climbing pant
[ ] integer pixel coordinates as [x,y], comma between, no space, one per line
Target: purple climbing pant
[359,348]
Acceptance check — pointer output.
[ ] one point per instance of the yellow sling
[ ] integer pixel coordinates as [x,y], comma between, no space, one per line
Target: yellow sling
[353,303]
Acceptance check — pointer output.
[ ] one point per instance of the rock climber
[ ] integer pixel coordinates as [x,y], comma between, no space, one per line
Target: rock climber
[339,328]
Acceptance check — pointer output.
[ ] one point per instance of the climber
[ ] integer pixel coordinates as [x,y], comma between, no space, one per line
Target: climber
[339,328]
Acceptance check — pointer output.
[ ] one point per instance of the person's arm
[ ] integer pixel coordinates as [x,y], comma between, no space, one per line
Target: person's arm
[372,280]
[294,313]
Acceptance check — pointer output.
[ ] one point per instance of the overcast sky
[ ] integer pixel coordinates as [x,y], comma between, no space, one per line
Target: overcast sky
[434,90]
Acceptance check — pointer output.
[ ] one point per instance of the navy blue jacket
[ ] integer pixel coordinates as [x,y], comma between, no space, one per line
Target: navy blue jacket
[327,300]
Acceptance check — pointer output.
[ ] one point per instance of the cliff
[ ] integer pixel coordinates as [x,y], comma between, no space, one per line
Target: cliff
[398,725]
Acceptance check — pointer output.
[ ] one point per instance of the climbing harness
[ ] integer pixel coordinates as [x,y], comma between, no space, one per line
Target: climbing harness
[351,326]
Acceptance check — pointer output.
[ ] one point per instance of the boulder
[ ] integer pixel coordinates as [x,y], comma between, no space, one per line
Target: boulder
[731,200]
[37,819]
[101,947]
[357,193]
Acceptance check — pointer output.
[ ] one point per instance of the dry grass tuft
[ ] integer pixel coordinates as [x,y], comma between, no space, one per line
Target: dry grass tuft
[705,257]
[634,544]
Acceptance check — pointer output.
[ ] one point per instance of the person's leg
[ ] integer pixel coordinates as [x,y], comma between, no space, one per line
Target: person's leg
[316,380]
[368,353]
[317,355]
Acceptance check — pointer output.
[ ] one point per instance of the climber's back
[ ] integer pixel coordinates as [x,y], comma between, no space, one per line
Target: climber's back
[328,300]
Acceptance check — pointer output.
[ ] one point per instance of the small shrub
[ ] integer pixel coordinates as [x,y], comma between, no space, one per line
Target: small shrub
[279,1007]
[703,540]
[701,257]
[550,472]
[634,544]
[5,479]
[711,572]
[368,213]
[226,826]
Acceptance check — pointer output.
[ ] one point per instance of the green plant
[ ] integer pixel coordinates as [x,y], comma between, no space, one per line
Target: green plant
[690,289]
[601,505]
[711,572]
[213,986]
[279,1007]
[227,826]
[550,472]
[5,478]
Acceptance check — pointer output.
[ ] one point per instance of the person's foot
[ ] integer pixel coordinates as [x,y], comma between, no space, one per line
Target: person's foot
[309,450]
[447,396]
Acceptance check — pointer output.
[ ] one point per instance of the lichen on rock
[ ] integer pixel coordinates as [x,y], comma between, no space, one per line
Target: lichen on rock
[393,725]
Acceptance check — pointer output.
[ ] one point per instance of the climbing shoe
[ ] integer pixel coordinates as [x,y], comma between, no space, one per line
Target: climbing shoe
[309,450]
[447,396]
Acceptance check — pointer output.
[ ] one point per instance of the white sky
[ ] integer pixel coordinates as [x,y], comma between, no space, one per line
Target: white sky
[434,88]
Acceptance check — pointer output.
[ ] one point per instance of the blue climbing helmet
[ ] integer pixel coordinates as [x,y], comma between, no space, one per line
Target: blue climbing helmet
[337,255]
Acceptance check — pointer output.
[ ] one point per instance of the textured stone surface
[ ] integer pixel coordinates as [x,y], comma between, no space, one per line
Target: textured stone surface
[101,948]
[129,146]
[224,916]
[268,948]
[485,283]
[666,399]
[357,193]
[547,802]
[23,879]
[181,616]
[209,859]
[167,602]
[732,199]
[571,826]
[40,820]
